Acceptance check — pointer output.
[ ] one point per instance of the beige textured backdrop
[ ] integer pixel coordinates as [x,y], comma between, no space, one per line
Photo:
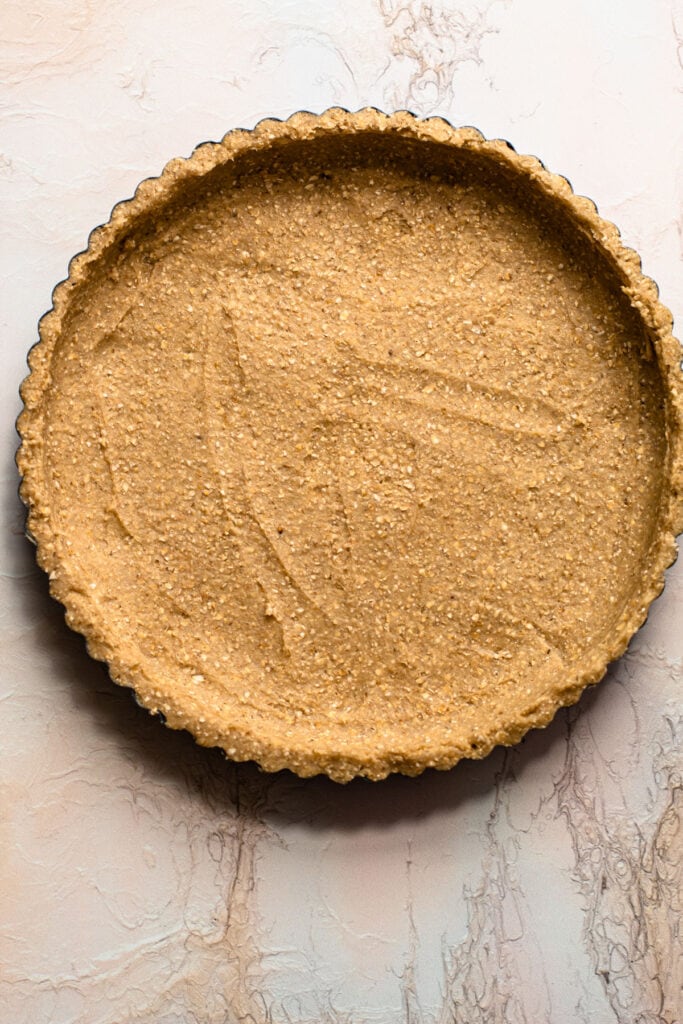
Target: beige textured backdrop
[143,879]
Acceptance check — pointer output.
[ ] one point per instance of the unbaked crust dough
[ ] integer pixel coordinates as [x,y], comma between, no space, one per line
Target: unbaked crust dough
[353,444]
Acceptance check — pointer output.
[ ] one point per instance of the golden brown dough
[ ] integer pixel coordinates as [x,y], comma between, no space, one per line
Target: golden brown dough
[353,444]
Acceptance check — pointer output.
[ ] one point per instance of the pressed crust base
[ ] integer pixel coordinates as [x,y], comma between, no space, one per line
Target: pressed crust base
[353,444]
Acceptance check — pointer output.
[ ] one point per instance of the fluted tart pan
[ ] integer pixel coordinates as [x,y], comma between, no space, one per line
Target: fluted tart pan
[352,444]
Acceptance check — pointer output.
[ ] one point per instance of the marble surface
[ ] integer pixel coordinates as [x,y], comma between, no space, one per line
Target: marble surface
[144,879]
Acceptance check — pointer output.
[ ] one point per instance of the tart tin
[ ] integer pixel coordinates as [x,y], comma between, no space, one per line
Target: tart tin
[310,741]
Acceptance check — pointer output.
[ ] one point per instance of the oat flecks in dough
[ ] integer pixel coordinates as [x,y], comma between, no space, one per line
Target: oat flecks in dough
[354,453]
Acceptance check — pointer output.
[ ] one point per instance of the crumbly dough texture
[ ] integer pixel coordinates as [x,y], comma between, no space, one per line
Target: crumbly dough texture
[353,444]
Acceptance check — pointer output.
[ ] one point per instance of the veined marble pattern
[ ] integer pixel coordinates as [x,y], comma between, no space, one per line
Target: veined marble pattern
[143,879]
